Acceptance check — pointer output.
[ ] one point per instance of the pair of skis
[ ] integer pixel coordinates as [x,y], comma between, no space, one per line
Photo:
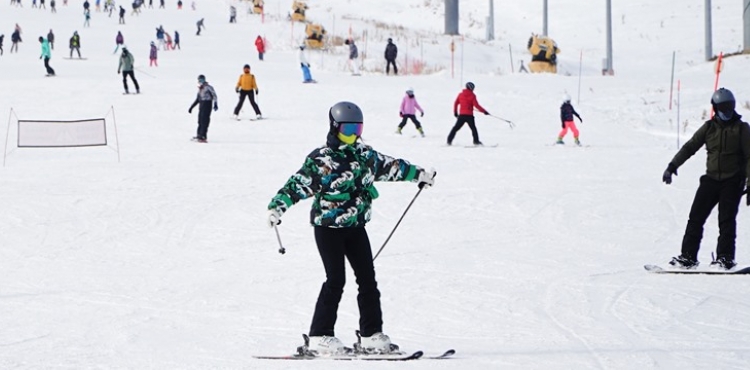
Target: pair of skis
[363,357]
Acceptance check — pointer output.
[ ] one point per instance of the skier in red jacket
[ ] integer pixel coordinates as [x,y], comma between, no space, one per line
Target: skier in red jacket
[261,46]
[467,101]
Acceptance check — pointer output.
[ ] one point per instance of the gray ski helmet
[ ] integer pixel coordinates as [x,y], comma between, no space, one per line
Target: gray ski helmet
[723,103]
[201,78]
[470,86]
[344,112]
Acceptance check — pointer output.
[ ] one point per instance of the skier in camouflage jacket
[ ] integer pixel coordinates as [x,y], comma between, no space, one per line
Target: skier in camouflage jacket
[340,177]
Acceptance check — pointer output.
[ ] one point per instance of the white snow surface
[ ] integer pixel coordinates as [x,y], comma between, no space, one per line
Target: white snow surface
[522,256]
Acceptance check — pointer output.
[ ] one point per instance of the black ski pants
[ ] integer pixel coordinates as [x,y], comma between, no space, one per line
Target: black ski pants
[204,118]
[50,71]
[413,118]
[125,75]
[77,50]
[727,194]
[352,243]
[251,96]
[462,119]
[390,62]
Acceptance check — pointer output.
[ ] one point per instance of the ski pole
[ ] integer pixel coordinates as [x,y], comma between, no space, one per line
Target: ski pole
[141,71]
[398,223]
[511,124]
[282,250]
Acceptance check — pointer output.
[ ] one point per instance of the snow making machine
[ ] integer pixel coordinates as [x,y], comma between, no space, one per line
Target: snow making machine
[257,6]
[544,52]
[298,10]
[315,36]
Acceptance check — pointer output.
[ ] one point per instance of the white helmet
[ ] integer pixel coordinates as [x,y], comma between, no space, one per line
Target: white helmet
[566,98]
[410,91]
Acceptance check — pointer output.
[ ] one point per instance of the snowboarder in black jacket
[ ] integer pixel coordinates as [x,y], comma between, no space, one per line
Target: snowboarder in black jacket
[727,141]
[391,52]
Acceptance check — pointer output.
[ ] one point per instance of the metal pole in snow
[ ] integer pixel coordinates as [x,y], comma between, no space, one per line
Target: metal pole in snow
[510,51]
[678,114]
[671,82]
[580,69]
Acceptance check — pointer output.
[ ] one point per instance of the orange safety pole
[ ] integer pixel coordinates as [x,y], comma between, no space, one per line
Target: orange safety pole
[719,67]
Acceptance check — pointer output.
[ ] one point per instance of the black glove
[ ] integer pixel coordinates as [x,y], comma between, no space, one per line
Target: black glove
[216,107]
[421,114]
[563,124]
[455,114]
[580,119]
[667,176]
[256,91]
[190,110]
[486,113]
[40,57]
[400,114]
[118,71]
[237,90]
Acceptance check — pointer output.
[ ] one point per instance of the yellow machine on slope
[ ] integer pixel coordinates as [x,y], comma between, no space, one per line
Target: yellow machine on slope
[544,52]
[298,10]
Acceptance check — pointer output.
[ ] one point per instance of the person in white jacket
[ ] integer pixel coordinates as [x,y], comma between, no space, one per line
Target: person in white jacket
[305,65]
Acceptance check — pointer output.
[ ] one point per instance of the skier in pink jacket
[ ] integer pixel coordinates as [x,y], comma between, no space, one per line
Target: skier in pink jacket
[409,107]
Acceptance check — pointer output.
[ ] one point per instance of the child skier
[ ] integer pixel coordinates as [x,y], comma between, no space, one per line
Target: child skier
[260,46]
[152,55]
[75,45]
[408,110]
[119,41]
[566,116]
[246,86]
[340,177]
[205,99]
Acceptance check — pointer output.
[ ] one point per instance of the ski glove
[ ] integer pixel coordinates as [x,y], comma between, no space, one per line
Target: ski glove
[400,114]
[747,197]
[455,114]
[237,90]
[190,110]
[216,107]
[421,114]
[274,218]
[426,178]
[486,113]
[256,92]
[667,176]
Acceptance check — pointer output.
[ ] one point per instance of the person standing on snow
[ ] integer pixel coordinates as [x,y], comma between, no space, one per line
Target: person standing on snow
[340,177]
[152,55]
[727,141]
[260,46]
[127,64]
[122,16]
[232,14]
[2,36]
[566,116]
[408,110]
[75,44]
[467,101]
[46,55]
[176,41]
[15,38]
[246,86]
[305,65]
[353,55]
[119,41]
[391,52]
[206,98]
[51,39]
[200,26]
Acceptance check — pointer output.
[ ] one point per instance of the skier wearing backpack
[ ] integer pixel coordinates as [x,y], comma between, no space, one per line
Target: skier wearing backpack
[340,177]
[727,141]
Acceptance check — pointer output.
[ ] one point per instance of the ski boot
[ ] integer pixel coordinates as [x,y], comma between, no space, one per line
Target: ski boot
[724,263]
[421,132]
[560,141]
[578,142]
[377,343]
[684,262]
[322,346]
[398,131]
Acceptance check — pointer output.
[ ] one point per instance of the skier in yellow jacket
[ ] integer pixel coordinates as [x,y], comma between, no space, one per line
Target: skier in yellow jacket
[246,86]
